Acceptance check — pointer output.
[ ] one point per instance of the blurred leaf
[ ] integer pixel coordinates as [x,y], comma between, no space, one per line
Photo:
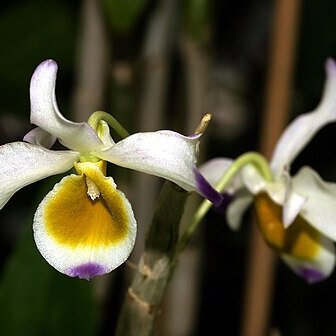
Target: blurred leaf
[37,300]
[123,15]
[197,18]
[30,32]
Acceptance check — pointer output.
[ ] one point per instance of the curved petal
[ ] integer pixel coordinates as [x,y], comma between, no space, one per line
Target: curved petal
[82,237]
[38,136]
[45,114]
[256,184]
[317,269]
[166,154]
[304,127]
[320,206]
[292,206]
[23,163]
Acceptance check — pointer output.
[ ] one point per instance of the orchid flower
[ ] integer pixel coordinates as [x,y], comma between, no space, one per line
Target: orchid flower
[295,214]
[85,226]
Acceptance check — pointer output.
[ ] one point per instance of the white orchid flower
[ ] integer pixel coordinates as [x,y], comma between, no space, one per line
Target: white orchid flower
[85,227]
[296,215]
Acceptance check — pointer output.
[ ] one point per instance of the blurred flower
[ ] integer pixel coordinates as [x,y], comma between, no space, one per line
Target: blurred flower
[86,227]
[296,215]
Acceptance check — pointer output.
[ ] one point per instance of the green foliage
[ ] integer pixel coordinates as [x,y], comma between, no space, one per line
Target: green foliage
[30,32]
[37,300]
[196,16]
[123,15]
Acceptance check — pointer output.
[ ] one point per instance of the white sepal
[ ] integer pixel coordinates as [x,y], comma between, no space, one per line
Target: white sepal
[38,136]
[304,127]
[23,164]
[45,114]
[166,154]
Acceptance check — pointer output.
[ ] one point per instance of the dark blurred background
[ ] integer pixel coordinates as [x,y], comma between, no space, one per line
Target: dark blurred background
[159,64]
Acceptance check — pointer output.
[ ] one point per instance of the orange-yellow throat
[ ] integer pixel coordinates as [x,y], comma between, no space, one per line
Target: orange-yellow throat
[300,240]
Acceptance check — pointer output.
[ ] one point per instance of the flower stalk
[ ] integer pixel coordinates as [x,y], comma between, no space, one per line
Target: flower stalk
[98,116]
[252,158]
[144,296]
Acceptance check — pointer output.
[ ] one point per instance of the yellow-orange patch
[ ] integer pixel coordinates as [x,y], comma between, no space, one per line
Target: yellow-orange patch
[73,218]
[300,240]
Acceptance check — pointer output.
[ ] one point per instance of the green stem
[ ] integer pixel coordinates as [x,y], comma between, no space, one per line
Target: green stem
[97,116]
[251,158]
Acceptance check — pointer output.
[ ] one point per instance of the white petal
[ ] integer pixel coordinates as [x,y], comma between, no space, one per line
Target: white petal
[214,169]
[81,237]
[166,154]
[237,208]
[38,136]
[304,127]
[317,269]
[45,114]
[252,179]
[320,206]
[256,184]
[292,206]
[23,163]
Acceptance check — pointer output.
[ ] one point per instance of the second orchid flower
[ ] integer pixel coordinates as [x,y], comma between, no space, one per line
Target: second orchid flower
[296,214]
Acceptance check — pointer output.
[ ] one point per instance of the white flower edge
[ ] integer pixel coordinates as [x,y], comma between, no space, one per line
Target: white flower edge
[317,269]
[45,113]
[236,209]
[305,126]
[319,209]
[81,260]
[24,163]
[164,153]
[38,136]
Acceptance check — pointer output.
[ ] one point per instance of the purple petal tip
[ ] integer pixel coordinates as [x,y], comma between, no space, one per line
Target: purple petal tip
[227,199]
[206,190]
[311,275]
[47,64]
[87,271]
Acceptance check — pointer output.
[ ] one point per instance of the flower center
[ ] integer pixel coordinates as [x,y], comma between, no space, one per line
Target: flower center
[300,240]
[87,210]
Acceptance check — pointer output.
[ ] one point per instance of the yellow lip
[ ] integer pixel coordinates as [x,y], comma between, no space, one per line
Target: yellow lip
[74,219]
[300,240]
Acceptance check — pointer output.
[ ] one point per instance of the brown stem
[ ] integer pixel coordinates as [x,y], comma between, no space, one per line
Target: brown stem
[92,62]
[261,267]
[144,296]
[154,77]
